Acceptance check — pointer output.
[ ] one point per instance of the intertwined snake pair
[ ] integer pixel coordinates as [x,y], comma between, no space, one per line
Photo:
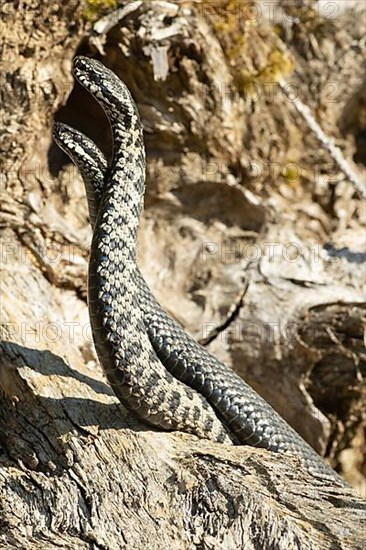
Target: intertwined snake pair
[153,366]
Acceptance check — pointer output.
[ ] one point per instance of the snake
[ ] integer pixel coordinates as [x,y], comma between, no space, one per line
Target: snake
[154,367]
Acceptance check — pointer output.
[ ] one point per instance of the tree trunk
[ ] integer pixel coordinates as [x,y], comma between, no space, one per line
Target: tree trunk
[251,237]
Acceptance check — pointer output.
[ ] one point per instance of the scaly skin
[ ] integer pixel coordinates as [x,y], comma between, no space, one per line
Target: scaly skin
[134,336]
[135,373]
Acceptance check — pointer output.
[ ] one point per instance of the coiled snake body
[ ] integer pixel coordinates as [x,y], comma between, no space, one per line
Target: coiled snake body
[153,366]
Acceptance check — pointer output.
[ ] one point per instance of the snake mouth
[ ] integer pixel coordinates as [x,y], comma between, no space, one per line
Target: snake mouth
[104,86]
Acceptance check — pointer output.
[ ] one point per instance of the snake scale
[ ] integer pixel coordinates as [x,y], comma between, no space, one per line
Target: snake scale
[153,366]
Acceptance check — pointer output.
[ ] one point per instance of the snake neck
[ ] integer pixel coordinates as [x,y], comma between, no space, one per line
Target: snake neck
[129,159]
[119,213]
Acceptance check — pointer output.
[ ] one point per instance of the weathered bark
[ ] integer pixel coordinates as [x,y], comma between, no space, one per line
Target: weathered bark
[232,173]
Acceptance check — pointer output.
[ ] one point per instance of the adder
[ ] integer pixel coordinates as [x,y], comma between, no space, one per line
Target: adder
[154,367]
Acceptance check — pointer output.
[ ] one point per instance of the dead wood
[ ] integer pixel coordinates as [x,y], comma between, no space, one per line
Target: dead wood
[239,192]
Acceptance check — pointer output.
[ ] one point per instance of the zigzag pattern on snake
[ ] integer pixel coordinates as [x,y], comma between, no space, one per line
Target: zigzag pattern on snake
[153,366]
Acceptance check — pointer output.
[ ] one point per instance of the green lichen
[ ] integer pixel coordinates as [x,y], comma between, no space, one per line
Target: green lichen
[226,18]
[236,25]
[292,174]
[279,66]
[94,9]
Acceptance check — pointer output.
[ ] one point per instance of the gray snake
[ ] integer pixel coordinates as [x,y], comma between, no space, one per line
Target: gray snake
[153,366]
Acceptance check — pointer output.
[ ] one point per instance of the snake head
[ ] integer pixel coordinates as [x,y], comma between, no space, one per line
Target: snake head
[80,148]
[112,94]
